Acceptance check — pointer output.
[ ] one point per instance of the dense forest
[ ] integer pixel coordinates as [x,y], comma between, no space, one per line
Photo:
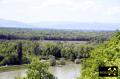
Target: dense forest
[17,44]
[18,52]
[28,46]
[42,34]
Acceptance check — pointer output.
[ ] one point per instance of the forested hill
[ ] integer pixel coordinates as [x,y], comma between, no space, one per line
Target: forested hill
[108,54]
[45,34]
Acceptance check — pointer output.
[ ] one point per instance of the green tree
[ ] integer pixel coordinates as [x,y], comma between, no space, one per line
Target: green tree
[20,53]
[107,54]
[38,70]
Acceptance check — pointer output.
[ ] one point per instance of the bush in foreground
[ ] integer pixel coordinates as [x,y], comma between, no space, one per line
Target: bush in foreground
[38,70]
[107,54]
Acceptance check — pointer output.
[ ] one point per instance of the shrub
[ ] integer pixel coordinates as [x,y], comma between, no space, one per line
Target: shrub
[62,61]
[38,70]
[52,61]
[77,61]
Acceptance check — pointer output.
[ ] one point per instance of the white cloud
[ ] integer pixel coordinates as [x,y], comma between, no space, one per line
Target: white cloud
[59,10]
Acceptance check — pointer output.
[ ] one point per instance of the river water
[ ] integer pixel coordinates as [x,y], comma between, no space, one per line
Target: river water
[70,71]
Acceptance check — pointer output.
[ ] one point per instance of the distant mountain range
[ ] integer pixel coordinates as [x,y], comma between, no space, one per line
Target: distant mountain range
[15,24]
[61,25]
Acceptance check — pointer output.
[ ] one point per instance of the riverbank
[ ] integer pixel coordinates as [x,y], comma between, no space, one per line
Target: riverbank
[12,68]
[68,71]
[19,67]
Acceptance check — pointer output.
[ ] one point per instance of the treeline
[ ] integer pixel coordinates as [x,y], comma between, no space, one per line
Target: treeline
[19,52]
[65,35]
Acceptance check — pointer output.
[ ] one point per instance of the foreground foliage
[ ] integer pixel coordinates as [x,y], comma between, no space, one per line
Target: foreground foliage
[107,54]
[38,70]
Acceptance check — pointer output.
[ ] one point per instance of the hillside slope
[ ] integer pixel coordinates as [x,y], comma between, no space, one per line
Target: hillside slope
[107,54]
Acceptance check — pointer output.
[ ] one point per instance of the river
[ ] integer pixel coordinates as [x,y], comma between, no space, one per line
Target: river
[70,71]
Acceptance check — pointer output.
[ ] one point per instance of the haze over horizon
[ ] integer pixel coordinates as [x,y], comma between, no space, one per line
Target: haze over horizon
[61,25]
[48,13]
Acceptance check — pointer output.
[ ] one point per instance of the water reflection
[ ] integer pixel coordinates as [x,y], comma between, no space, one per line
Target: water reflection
[12,74]
[70,71]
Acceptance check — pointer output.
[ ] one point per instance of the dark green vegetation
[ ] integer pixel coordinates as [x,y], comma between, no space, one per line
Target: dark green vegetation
[20,46]
[107,54]
[65,35]
[38,70]
[16,52]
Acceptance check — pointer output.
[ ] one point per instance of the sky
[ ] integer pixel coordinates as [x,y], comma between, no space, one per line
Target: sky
[32,11]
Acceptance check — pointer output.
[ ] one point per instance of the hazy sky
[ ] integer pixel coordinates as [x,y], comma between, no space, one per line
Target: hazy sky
[61,10]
